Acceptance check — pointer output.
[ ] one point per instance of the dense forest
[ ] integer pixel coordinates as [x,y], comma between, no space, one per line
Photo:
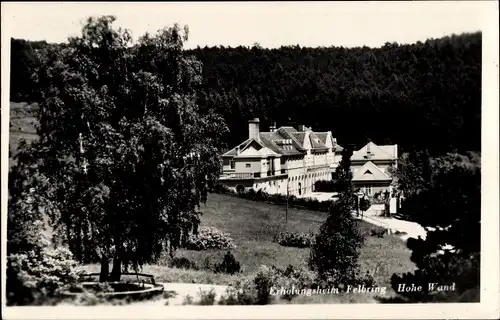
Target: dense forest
[422,95]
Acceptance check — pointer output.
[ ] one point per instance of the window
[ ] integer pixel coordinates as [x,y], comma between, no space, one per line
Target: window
[232,164]
[248,165]
[368,190]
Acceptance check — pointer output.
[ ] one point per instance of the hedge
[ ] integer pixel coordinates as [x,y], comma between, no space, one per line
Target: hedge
[280,199]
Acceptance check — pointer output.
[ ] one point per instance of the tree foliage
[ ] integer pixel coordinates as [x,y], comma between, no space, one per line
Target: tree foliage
[449,201]
[125,153]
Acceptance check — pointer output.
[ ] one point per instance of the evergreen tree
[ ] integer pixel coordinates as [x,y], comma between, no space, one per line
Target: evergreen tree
[335,251]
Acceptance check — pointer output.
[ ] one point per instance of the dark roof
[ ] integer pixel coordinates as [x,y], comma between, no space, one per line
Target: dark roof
[316,143]
[272,141]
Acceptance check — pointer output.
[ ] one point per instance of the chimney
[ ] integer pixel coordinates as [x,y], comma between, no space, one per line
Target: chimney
[301,127]
[272,127]
[238,150]
[254,129]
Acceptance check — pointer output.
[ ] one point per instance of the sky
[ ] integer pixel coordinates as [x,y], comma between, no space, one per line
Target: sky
[370,23]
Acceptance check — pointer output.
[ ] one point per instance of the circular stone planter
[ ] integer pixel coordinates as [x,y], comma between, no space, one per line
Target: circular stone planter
[135,290]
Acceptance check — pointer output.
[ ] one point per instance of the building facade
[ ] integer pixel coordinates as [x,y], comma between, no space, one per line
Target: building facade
[282,160]
[370,166]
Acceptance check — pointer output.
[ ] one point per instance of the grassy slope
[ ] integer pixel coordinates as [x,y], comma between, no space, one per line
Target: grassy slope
[253,225]
[22,126]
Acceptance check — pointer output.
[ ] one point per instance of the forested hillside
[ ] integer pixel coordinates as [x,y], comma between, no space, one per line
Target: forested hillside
[424,95]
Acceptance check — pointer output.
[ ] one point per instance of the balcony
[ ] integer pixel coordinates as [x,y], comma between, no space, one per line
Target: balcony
[251,175]
[238,175]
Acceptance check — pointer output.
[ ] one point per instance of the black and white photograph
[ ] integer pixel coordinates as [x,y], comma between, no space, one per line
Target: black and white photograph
[286,155]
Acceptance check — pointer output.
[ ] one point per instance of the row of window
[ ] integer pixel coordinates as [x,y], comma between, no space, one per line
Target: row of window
[308,176]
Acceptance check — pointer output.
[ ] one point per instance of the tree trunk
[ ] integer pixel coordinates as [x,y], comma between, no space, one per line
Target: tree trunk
[116,272]
[103,277]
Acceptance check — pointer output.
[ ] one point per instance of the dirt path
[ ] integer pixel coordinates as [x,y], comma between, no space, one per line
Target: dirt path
[411,229]
[177,293]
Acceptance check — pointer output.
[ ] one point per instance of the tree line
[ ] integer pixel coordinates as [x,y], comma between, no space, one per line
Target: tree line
[425,95]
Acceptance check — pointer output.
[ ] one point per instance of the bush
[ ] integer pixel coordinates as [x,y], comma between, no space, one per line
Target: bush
[38,277]
[183,263]
[364,204]
[311,204]
[256,290]
[326,186]
[378,232]
[207,298]
[299,240]
[228,265]
[209,238]
[221,189]
[188,300]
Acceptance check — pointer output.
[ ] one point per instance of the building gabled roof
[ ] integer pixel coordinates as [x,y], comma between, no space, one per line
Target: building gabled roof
[316,143]
[288,133]
[370,172]
[242,146]
[287,141]
[271,139]
[323,136]
[259,153]
[387,152]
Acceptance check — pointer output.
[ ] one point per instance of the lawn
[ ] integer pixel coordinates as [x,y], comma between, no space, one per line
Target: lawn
[253,225]
[22,126]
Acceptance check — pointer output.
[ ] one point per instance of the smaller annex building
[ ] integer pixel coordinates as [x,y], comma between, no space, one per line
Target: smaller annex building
[370,166]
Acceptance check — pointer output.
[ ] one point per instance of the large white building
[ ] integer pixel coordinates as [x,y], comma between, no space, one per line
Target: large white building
[281,160]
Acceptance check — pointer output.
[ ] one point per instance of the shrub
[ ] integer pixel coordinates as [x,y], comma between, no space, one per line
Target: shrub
[293,277]
[364,204]
[188,300]
[228,265]
[230,298]
[209,238]
[221,189]
[253,290]
[256,290]
[293,201]
[299,240]
[326,186]
[183,263]
[37,277]
[378,232]
[207,298]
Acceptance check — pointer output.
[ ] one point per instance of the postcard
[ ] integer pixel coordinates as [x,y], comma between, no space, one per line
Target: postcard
[250,160]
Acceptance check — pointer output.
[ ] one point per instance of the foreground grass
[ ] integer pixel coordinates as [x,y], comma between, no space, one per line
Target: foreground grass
[253,225]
